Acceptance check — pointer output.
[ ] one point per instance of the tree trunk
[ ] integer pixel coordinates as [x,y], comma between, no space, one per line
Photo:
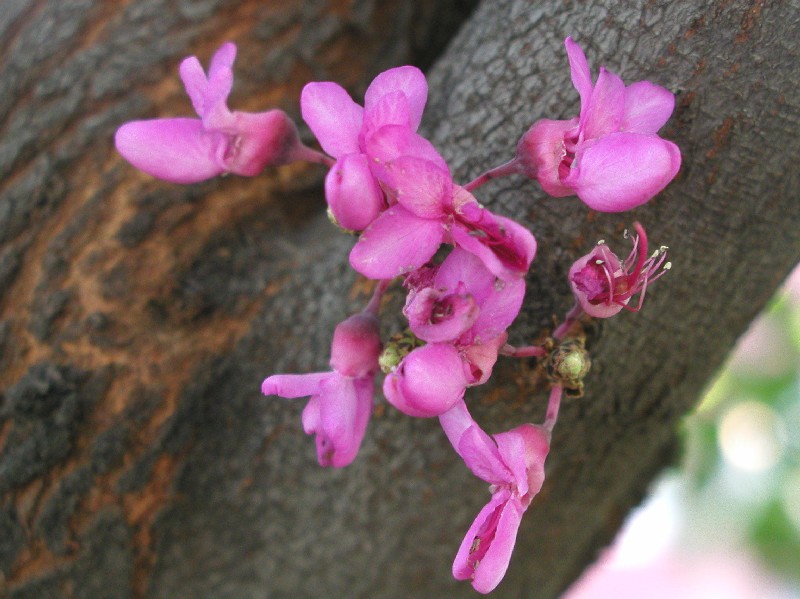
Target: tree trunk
[137,318]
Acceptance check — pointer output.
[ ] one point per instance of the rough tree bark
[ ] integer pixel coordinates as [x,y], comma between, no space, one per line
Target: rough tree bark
[138,318]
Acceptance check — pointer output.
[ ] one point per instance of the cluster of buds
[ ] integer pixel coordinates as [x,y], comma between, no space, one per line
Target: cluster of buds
[390,186]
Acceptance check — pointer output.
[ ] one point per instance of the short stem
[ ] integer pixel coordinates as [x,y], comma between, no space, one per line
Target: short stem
[309,155]
[523,352]
[509,168]
[574,314]
[374,305]
[553,404]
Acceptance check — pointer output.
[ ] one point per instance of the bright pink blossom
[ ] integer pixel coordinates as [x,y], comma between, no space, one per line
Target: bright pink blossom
[428,209]
[341,400]
[395,97]
[513,464]
[187,150]
[603,285]
[463,312]
[610,156]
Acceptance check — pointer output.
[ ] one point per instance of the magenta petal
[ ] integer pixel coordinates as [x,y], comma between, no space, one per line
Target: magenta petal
[333,116]
[499,308]
[455,421]
[480,455]
[395,243]
[480,358]
[623,170]
[606,106]
[494,563]
[647,107]
[353,195]
[428,382]
[463,268]
[523,450]
[294,385]
[420,186]
[408,80]
[580,72]
[541,151]
[222,61]
[262,139]
[436,317]
[391,109]
[589,282]
[393,141]
[194,82]
[177,150]
[356,346]
[345,405]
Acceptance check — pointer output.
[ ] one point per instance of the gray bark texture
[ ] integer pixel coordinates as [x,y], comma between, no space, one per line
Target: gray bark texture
[138,318]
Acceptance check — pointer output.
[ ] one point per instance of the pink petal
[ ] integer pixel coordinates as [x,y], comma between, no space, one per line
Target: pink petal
[435,316]
[345,405]
[498,309]
[604,113]
[463,268]
[222,61]
[504,246]
[420,186]
[494,564]
[353,195]
[428,382]
[391,109]
[408,80]
[395,243]
[623,170]
[647,107]
[393,141]
[262,139]
[455,421]
[291,386]
[588,281]
[523,450]
[480,358]
[480,455]
[479,536]
[177,150]
[194,82]
[580,72]
[333,116]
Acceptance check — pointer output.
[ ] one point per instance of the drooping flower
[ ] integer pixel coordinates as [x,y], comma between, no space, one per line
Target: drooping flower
[395,97]
[463,313]
[188,150]
[610,156]
[513,464]
[341,400]
[428,209]
[603,285]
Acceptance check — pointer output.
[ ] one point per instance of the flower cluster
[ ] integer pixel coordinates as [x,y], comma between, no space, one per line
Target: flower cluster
[461,265]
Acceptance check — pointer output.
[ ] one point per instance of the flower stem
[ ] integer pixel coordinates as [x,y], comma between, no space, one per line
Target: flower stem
[310,155]
[374,305]
[553,404]
[509,168]
[523,352]
[574,314]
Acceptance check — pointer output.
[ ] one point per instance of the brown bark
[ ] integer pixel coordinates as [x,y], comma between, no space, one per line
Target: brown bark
[138,318]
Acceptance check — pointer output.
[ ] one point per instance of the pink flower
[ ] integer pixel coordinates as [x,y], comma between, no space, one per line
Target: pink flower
[513,464]
[428,209]
[395,97]
[187,150]
[610,156]
[341,400]
[463,313]
[603,285]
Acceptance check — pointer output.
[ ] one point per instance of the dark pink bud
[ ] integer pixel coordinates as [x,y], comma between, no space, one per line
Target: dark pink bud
[356,346]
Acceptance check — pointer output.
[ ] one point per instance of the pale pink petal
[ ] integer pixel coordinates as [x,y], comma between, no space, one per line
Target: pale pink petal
[391,109]
[392,141]
[294,385]
[623,170]
[353,195]
[420,186]
[428,382]
[462,267]
[455,421]
[333,116]
[222,61]
[356,346]
[580,72]
[395,243]
[647,107]
[177,150]
[606,106]
[194,82]
[435,316]
[480,358]
[541,151]
[262,139]
[494,563]
[480,455]
[499,308]
[311,419]
[523,450]
[408,80]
